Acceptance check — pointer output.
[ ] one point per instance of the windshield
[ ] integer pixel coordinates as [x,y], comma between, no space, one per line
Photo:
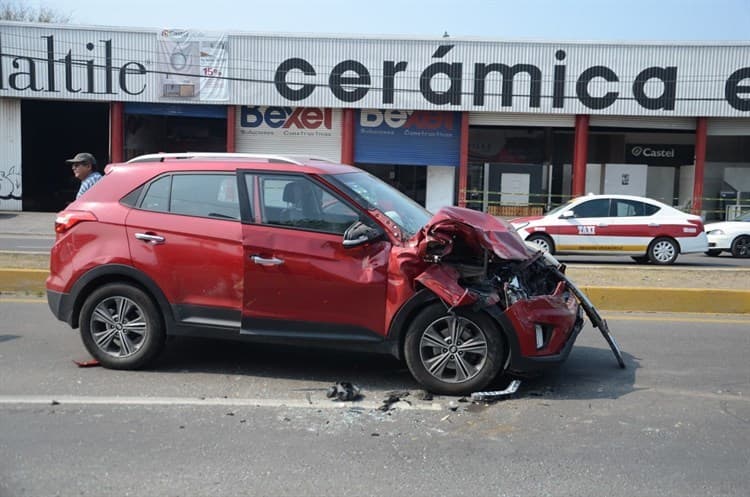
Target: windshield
[373,193]
[560,208]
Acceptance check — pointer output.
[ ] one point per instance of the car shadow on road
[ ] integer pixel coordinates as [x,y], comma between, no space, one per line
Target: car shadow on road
[589,373]
[285,362]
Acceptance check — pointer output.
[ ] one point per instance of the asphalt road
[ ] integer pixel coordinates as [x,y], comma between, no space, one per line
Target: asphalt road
[30,244]
[220,418]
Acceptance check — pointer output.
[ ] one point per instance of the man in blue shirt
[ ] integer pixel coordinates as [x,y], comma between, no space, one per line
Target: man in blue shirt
[84,168]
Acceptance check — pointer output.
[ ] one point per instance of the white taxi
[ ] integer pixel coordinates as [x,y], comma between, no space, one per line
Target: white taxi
[730,236]
[645,229]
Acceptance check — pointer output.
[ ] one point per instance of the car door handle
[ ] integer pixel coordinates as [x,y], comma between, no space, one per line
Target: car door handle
[653,225]
[602,225]
[273,261]
[147,237]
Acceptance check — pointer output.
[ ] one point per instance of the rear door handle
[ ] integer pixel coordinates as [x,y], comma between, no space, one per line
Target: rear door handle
[273,261]
[147,237]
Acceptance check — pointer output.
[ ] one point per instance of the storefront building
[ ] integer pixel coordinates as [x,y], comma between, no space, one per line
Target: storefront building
[511,128]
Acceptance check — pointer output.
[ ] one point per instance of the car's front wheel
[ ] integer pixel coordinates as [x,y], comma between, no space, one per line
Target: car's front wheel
[454,353]
[543,242]
[663,251]
[121,326]
[741,246]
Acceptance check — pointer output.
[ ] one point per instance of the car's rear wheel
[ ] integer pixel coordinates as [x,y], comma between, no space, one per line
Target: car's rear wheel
[741,246]
[713,253]
[663,251]
[544,242]
[121,327]
[454,353]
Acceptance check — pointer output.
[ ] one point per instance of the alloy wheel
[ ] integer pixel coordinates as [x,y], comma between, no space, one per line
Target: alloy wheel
[453,349]
[118,327]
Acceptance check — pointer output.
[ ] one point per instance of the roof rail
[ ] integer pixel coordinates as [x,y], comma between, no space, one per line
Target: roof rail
[291,159]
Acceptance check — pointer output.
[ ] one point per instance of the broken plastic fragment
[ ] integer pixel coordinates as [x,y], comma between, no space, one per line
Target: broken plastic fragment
[344,391]
[392,398]
[87,363]
[497,394]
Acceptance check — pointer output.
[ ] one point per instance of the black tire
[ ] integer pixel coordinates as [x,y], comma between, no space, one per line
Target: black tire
[663,251]
[713,253]
[121,327]
[640,259]
[544,242]
[429,342]
[741,246]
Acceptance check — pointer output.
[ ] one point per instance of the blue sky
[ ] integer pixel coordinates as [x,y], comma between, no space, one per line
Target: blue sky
[579,20]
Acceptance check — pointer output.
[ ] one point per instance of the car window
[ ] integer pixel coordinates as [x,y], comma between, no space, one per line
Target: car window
[373,193]
[298,202]
[157,195]
[202,195]
[627,208]
[598,207]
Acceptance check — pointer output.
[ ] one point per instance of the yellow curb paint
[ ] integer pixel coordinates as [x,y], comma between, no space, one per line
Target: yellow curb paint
[669,299]
[22,280]
[698,300]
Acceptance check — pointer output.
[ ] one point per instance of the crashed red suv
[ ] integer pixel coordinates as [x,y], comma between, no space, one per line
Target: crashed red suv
[281,250]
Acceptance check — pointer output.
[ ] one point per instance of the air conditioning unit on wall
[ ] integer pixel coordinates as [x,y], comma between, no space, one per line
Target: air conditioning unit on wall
[178,89]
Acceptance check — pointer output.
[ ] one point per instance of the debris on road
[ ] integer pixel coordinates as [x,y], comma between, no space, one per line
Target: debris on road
[86,363]
[497,394]
[392,398]
[344,391]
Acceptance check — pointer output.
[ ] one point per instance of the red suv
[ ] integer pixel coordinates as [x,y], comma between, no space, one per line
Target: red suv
[301,251]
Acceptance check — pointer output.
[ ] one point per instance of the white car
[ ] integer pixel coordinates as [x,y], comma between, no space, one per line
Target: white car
[732,236]
[642,228]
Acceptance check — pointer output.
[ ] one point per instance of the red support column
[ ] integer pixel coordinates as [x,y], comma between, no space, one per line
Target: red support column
[231,128]
[347,136]
[463,161]
[580,155]
[701,137]
[116,136]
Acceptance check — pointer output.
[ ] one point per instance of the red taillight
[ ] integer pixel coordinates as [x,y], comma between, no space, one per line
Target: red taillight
[697,222]
[67,219]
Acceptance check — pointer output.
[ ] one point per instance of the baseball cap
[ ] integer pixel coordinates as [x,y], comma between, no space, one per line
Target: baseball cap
[82,157]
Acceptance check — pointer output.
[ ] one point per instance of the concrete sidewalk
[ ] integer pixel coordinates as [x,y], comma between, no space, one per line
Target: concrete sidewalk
[643,297]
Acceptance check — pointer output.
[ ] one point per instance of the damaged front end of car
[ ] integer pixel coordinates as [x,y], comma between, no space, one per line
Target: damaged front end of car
[473,259]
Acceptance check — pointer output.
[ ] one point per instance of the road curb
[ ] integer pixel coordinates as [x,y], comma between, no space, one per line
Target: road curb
[23,280]
[701,300]
[715,301]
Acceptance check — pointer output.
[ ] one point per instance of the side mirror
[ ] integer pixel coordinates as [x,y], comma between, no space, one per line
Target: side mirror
[567,215]
[358,233]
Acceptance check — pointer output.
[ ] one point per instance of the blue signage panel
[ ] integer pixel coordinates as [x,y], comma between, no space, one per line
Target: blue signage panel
[405,137]
[184,110]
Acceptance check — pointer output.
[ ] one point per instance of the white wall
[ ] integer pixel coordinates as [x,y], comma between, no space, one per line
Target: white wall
[593,179]
[687,175]
[625,179]
[661,184]
[441,183]
[10,154]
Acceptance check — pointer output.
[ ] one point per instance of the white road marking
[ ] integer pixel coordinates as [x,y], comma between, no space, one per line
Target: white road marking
[66,400]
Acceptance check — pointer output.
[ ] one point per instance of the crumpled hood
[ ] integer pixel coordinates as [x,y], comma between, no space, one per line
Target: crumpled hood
[475,229]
